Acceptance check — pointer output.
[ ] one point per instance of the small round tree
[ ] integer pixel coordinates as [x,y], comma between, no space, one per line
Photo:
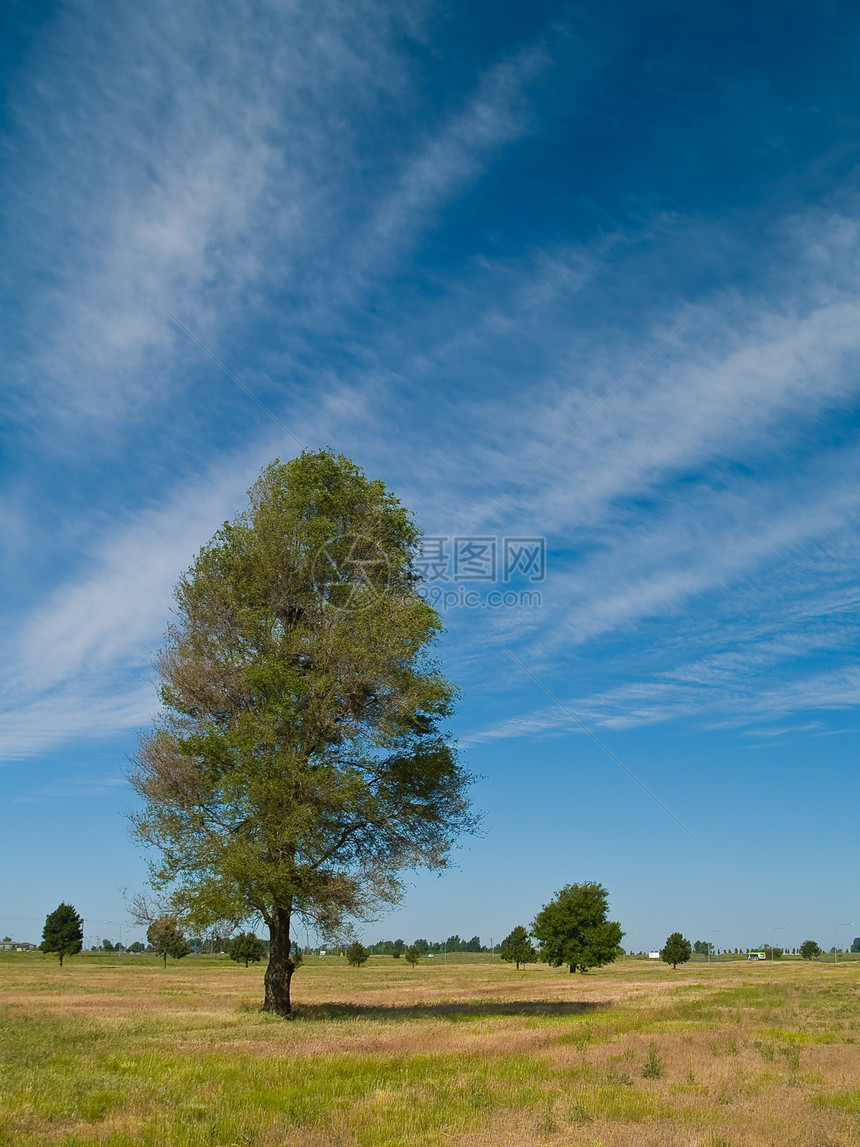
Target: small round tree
[246,948]
[809,950]
[572,929]
[677,950]
[517,948]
[412,954]
[356,954]
[63,934]
[166,939]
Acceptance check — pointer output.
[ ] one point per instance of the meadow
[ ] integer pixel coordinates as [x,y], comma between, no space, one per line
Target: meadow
[116,1050]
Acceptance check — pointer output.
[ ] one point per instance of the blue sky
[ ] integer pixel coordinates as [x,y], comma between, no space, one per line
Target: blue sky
[434,237]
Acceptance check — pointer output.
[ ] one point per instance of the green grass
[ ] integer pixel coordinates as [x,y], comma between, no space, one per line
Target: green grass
[122,1052]
[67,1072]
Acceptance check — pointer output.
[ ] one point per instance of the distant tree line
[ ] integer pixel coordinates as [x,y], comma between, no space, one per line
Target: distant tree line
[453,944]
[571,929]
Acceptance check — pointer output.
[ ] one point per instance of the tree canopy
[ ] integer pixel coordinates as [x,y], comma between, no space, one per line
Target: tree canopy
[300,764]
[517,948]
[357,954]
[677,950]
[63,934]
[165,937]
[809,950]
[246,948]
[572,929]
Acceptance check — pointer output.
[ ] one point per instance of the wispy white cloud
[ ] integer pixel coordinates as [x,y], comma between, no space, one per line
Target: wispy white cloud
[73,788]
[733,706]
[622,568]
[80,663]
[495,115]
[223,171]
[223,185]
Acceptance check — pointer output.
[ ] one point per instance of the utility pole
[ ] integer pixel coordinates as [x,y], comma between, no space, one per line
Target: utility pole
[119,925]
[778,928]
[710,945]
[849,924]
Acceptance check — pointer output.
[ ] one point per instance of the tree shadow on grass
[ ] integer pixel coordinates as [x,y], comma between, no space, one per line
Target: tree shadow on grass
[453,1010]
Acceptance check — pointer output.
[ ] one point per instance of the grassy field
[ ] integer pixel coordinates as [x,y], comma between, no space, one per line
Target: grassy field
[117,1050]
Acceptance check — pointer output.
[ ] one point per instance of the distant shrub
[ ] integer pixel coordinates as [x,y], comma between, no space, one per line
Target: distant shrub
[617,1078]
[653,1068]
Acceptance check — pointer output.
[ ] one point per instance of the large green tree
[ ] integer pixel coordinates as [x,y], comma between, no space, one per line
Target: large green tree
[517,948]
[299,765]
[63,934]
[572,929]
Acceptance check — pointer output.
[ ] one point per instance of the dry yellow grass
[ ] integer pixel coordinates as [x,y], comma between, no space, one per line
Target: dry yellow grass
[116,1052]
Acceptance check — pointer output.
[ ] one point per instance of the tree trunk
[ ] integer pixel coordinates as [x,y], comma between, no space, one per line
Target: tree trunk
[572,968]
[164,957]
[280,969]
[61,959]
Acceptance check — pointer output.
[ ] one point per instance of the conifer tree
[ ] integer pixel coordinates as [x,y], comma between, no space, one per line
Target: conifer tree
[357,954]
[517,948]
[63,934]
